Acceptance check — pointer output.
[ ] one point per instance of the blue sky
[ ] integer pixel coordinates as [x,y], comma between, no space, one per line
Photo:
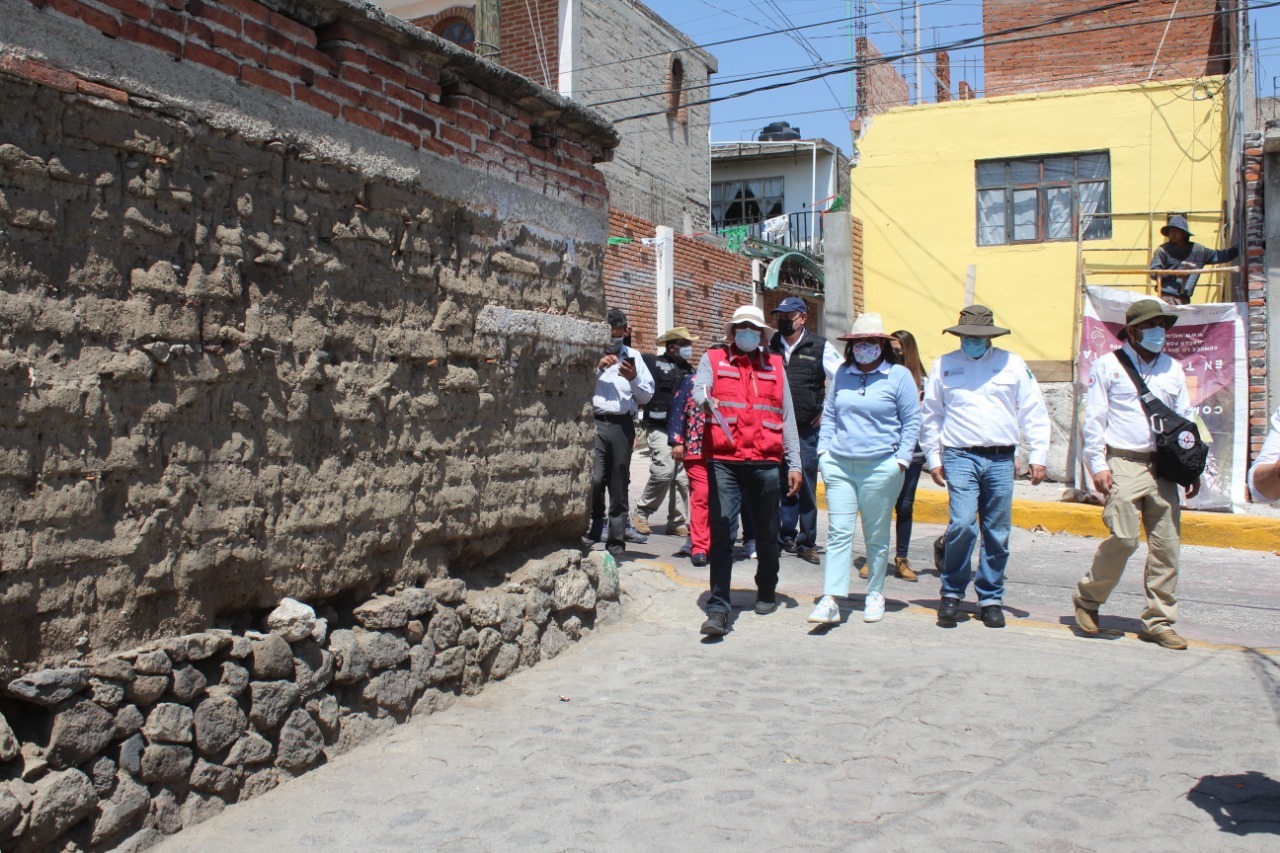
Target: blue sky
[821,108]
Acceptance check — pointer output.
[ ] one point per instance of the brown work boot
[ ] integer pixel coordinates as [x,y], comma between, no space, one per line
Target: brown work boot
[640,523]
[1168,638]
[864,571]
[902,568]
[1086,619]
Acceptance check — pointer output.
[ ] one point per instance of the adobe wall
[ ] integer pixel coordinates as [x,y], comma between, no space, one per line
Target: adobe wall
[293,302]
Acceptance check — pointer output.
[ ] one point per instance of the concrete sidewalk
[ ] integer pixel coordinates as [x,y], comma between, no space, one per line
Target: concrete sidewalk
[885,737]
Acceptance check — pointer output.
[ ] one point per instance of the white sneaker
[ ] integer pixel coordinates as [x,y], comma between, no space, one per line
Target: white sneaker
[826,612]
[873,607]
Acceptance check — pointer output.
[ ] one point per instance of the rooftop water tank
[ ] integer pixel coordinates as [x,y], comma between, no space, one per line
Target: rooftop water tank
[779,131]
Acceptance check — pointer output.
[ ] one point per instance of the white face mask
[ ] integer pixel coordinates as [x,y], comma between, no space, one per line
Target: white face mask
[686,353]
[866,353]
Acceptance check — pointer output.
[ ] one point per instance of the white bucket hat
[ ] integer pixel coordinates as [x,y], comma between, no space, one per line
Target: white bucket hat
[749,314]
[866,326]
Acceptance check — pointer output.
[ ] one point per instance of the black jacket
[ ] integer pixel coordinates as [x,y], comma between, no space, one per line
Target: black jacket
[805,375]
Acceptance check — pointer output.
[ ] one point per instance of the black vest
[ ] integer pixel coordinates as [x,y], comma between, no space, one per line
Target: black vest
[667,374]
[805,375]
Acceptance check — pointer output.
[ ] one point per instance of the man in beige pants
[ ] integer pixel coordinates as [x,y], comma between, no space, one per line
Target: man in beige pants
[1119,450]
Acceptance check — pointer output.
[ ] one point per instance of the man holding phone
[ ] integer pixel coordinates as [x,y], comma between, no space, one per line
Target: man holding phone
[623,384]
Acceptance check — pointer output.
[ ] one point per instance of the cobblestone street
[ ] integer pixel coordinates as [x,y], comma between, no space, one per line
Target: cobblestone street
[891,736]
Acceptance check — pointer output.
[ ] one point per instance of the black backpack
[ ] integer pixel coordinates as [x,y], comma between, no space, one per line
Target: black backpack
[1181,455]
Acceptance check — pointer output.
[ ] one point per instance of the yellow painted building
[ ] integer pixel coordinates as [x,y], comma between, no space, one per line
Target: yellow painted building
[1000,185]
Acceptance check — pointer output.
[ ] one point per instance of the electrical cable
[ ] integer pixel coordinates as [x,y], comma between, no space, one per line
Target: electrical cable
[843,69]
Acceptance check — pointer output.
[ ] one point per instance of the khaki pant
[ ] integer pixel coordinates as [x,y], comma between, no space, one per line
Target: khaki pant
[1138,497]
[666,478]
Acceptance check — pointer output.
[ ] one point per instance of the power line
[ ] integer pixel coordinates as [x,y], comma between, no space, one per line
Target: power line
[842,69]
[889,58]
[738,39]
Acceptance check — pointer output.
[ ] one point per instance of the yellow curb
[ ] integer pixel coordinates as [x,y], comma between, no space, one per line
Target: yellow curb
[1214,529]
[674,574]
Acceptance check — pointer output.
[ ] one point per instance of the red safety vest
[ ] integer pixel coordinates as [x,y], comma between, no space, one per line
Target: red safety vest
[748,391]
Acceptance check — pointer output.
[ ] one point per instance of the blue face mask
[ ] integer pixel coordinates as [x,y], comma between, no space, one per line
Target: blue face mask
[1153,339]
[686,353]
[974,347]
[747,340]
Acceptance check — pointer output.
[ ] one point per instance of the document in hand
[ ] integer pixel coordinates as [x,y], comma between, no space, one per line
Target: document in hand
[722,424]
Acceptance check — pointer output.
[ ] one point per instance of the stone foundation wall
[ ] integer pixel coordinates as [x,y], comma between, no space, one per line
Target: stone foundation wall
[117,751]
[258,339]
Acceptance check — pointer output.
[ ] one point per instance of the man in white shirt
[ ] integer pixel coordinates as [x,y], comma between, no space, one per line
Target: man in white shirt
[1119,451]
[623,384]
[1264,476]
[979,402]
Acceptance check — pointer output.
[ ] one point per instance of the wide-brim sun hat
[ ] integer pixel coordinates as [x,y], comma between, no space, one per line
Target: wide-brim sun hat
[749,314]
[867,327]
[679,333]
[1179,222]
[1146,309]
[976,321]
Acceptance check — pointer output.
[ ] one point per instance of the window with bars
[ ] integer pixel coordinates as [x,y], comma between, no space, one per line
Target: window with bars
[1044,199]
[745,202]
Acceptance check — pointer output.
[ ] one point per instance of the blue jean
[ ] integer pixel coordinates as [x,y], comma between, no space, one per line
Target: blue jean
[732,485]
[980,494]
[798,514]
[858,487]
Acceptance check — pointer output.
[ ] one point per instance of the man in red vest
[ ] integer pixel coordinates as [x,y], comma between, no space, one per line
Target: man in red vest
[751,430]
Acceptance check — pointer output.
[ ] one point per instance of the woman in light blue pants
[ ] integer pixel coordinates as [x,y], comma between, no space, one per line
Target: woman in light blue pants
[870,424]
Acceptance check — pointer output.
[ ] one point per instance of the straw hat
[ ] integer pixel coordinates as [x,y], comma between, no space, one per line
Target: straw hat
[866,326]
[679,333]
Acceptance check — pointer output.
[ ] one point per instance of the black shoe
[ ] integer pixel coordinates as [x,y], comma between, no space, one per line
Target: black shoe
[617,552]
[809,556]
[940,552]
[949,610]
[789,546]
[764,608]
[717,624]
[699,559]
[993,616]
[594,534]
[635,537]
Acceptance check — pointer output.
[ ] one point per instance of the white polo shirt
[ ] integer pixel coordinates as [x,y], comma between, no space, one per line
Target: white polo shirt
[991,401]
[1113,413]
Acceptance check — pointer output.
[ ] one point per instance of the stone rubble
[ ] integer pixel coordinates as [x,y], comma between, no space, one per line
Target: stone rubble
[118,751]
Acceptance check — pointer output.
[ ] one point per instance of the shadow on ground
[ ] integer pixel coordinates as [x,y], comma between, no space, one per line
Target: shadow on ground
[1242,804]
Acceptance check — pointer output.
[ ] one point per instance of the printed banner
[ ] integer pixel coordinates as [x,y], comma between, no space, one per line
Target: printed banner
[1209,342]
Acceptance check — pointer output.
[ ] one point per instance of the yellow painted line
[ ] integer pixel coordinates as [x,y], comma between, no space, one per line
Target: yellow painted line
[1213,529]
[673,573]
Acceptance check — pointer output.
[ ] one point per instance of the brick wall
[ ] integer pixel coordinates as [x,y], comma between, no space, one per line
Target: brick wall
[1259,310]
[530,33]
[709,283]
[1077,55]
[292,305]
[880,87]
